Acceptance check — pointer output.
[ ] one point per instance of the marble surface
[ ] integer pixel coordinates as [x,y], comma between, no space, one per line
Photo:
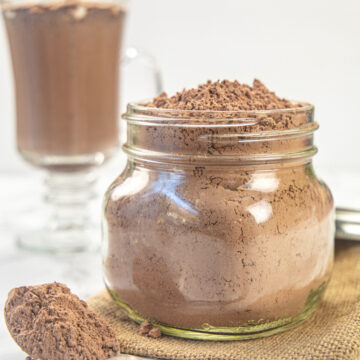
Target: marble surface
[19,193]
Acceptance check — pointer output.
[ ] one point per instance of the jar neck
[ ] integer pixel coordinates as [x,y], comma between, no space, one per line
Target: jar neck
[235,168]
[242,138]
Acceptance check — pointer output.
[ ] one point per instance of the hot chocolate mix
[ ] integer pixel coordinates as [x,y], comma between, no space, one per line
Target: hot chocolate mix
[223,96]
[202,243]
[50,323]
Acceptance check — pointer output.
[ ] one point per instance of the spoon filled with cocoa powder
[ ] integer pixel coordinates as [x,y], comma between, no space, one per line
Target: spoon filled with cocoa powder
[48,322]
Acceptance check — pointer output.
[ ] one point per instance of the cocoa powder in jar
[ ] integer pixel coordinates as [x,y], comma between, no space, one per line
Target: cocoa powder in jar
[224,246]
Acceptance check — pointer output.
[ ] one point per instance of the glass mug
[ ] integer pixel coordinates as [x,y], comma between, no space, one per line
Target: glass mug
[66,57]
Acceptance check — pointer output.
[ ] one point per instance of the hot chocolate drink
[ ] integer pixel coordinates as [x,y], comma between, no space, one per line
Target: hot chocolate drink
[65,56]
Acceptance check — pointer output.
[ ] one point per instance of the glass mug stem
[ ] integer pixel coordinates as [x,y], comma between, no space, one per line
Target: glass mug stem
[68,213]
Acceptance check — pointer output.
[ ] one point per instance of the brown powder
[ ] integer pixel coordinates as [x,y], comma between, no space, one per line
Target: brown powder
[223,96]
[146,329]
[223,103]
[48,322]
[155,333]
[211,236]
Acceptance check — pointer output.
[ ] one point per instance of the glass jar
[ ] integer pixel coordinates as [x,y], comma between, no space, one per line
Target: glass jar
[218,228]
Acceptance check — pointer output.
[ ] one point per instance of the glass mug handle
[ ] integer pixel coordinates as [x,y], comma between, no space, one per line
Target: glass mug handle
[140,64]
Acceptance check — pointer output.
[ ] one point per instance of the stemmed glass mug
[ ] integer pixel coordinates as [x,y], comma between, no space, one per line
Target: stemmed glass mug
[66,57]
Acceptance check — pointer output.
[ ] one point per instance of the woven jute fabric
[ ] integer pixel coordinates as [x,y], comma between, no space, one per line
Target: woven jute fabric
[332,333]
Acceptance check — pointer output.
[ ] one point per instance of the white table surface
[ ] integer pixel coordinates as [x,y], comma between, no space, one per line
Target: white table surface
[81,272]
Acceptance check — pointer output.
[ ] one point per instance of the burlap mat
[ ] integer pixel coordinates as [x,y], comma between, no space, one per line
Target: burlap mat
[332,333]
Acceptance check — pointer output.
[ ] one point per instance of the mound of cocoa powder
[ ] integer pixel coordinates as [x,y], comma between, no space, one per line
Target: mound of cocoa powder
[223,96]
[50,323]
[202,242]
[239,108]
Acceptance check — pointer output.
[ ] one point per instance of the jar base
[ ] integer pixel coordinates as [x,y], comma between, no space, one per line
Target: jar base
[213,333]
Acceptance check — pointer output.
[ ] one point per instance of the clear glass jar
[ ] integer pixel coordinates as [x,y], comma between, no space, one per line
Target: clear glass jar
[218,228]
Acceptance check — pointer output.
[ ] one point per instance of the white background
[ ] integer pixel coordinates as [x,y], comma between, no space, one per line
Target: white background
[306,50]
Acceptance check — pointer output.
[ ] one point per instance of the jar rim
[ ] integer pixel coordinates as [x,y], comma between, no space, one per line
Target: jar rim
[170,135]
[139,114]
